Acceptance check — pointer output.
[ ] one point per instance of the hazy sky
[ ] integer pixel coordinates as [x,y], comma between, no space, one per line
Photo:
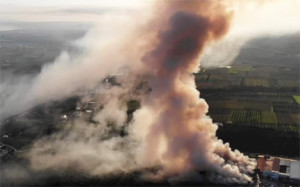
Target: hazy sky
[91,3]
[65,10]
[252,16]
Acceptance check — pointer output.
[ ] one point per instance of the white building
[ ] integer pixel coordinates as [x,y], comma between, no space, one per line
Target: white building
[295,170]
[276,167]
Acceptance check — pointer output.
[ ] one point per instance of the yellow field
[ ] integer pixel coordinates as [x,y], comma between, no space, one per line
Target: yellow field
[269,117]
[256,82]
[297,98]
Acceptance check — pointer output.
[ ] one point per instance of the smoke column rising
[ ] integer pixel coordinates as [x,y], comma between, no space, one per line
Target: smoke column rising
[171,128]
[183,137]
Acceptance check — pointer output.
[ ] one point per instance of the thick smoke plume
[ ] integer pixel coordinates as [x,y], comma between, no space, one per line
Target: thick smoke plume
[171,129]
[182,130]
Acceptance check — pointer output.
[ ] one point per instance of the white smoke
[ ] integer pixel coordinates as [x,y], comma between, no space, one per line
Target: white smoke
[94,147]
[253,19]
[70,75]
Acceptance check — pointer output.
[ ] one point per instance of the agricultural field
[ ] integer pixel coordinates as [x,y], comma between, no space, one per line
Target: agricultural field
[200,77]
[235,104]
[297,98]
[261,95]
[220,84]
[269,117]
[288,83]
[249,117]
[258,73]
[225,104]
[235,83]
[295,117]
[238,69]
[217,77]
[260,106]
[256,82]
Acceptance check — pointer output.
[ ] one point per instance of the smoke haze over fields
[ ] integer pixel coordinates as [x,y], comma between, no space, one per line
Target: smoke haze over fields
[250,19]
[171,129]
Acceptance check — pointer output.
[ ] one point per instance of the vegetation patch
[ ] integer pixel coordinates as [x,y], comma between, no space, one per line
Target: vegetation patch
[217,77]
[296,118]
[235,70]
[297,98]
[269,117]
[256,82]
[288,83]
[250,117]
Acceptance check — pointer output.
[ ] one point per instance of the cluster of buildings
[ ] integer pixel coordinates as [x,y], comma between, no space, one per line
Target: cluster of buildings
[277,168]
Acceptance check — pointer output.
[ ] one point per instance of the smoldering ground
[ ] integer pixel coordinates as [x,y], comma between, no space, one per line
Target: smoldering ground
[169,130]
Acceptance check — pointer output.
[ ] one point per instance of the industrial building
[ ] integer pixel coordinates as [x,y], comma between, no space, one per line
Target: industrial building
[279,168]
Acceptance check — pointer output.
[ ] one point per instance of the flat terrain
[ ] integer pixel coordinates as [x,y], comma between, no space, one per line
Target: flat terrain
[257,97]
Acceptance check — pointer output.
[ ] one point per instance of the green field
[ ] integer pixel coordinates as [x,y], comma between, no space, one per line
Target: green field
[297,98]
[253,94]
[269,117]
[225,104]
[217,77]
[239,105]
[235,70]
[250,117]
[256,82]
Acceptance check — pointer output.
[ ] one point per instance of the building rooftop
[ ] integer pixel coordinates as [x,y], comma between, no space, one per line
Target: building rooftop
[282,166]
